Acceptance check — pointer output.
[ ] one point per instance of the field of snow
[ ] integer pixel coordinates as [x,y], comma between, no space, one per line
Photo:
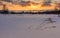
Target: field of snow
[29,26]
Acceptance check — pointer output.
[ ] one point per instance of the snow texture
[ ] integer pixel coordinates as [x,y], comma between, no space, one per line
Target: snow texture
[29,26]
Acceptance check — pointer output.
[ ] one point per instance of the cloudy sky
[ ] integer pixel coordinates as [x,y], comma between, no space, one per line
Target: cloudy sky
[33,0]
[43,0]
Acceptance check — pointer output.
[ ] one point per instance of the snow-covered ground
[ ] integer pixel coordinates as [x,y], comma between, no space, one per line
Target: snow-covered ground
[29,26]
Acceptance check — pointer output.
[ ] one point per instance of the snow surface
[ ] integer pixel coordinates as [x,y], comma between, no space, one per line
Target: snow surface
[29,26]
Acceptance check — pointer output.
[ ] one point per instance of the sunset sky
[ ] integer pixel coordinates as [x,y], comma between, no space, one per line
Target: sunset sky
[32,7]
[42,0]
[32,0]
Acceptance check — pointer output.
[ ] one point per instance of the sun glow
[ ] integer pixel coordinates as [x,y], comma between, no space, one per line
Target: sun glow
[32,6]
